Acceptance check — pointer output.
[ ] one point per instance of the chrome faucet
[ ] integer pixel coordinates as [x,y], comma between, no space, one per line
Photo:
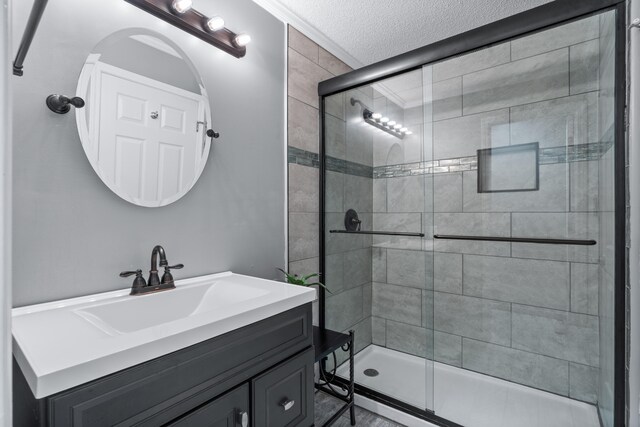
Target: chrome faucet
[154,284]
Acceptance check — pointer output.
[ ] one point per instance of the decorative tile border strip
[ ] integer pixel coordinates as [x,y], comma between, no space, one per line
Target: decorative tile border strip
[547,156]
[333,164]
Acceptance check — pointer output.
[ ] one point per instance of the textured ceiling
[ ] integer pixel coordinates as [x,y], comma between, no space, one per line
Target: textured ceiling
[372,30]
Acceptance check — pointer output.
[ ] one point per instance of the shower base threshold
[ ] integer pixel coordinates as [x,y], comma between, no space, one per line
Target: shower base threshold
[465,397]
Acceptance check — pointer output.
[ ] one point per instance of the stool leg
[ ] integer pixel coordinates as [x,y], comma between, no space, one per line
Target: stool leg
[352,410]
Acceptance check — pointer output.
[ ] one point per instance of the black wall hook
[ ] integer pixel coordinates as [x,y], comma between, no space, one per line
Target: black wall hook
[61,104]
[212,133]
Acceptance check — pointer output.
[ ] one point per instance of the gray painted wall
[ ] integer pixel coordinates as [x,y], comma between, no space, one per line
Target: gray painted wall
[72,235]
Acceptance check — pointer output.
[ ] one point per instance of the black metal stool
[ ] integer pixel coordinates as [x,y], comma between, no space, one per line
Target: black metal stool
[327,342]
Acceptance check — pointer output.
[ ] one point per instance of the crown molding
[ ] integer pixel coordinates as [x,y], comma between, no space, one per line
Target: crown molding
[285,15]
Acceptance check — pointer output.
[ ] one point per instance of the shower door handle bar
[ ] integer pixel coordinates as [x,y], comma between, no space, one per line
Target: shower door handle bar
[518,240]
[379,233]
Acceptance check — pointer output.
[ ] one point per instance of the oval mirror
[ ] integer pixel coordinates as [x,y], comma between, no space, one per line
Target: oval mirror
[144,126]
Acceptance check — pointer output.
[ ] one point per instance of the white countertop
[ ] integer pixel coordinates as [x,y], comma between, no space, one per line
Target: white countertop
[63,344]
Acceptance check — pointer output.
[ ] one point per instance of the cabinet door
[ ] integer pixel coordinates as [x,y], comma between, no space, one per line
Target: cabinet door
[283,396]
[229,410]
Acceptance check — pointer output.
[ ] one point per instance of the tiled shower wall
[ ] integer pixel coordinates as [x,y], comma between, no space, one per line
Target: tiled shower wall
[523,312]
[349,262]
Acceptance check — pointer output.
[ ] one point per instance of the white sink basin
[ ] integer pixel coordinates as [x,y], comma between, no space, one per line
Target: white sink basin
[145,311]
[66,343]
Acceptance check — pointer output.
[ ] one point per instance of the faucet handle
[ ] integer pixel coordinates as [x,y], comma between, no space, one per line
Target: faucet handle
[176,267]
[131,273]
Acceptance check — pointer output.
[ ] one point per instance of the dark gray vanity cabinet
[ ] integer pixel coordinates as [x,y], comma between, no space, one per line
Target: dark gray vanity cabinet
[260,375]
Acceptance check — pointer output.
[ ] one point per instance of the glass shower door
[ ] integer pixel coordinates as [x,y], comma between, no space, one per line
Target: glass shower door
[376,266]
[521,163]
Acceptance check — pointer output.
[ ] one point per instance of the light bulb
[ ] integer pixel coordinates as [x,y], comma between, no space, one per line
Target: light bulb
[408,132]
[181,6]
[384,119]
[398,126]
[391,123]
[376,116]
[215,23]
[242,39]
[403,129]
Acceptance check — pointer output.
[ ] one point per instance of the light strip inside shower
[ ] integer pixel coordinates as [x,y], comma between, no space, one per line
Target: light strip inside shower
[381,122]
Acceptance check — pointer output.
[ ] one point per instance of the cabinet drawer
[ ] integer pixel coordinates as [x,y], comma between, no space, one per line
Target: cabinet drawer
[229,410]
[283,396]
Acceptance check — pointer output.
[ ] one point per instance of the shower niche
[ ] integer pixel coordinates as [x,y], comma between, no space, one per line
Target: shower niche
[479,270]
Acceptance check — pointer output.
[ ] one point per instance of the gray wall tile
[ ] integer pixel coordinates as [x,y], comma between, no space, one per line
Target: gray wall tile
[519,366]
[571,225]
[427,309]
[532,79]
[397,303]
[583,382]
[379,264]
[335,137]
[367,299]
[583,66]
[303,188]
[447,99]
[357,267]
[551,197]
[408,267]
[344,309]
[334,191]
[472,224]
[408,338]
[358,193]
[303,235]
[556,123]
[379,331]
[584,288]
[525,281]
[362,335]
[555,38]
[448,348]
[405,194]
[463,136]
[334,105]
[470,62]
[303,45]
[331,63]
[567,336]
[303,78]
[473,318]
[334,274]
[447,192]
[584,186]
[304,266]
[448,272]
[302,125]
[380,195]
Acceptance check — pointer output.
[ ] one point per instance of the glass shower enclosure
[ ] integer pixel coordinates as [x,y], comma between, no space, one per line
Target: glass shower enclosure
[469,229]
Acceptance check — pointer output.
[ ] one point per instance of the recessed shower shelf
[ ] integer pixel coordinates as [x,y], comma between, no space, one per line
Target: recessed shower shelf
[380,233]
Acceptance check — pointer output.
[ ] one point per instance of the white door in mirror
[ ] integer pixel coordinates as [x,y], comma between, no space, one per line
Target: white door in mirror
[140,128]
[148,148]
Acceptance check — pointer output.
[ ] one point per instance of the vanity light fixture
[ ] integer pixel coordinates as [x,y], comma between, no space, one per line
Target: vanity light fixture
[181,6]
[181,14]
[381,122]
[215,23]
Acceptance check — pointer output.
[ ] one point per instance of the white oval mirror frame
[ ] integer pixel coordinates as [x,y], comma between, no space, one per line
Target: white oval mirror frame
[134,120]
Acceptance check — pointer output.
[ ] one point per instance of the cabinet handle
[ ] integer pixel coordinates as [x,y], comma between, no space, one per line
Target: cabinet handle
[287,404]
[243,418]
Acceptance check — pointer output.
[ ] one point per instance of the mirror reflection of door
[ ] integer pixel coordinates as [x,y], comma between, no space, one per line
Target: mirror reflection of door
[148,134]
[147,113]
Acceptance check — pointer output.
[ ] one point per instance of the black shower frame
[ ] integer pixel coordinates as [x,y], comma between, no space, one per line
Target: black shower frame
[540,18]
